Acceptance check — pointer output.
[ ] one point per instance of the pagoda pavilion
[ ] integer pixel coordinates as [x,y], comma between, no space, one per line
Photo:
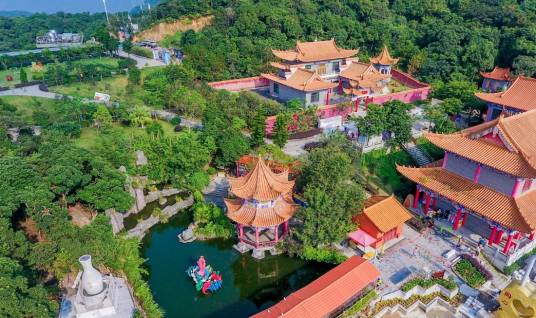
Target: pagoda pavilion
[486,182]
[263,203]
[384,62]
[496,80]
[519,97]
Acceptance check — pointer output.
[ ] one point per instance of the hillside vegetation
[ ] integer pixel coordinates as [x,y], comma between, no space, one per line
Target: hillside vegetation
[436,39]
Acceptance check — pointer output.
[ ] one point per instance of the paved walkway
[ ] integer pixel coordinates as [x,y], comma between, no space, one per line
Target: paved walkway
[295,147]
[410,256]
[141,62]
[29,91]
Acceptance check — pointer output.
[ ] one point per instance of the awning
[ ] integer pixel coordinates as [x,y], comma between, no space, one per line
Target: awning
[361,237]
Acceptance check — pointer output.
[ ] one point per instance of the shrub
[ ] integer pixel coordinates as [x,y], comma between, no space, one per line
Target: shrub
[360,304]
[212,171]
[210,220]
[141,51]
[175,121]
[470,270]
[427,283]
[325,255]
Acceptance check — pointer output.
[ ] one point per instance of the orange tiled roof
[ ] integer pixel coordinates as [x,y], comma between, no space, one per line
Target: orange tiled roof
[303,80]
[498,73]
[520,131]
[281,66]
[247,214]
[365,76]
[520,95]
[485,152]
[315,51]
[515,213]
[385,212]
[261,183]
[327,294]
[384,58]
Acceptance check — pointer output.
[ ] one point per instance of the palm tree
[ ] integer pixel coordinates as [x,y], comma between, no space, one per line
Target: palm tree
[139,116]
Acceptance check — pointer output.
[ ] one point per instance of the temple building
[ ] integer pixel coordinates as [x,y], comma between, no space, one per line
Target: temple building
[262,207]
[330,294]
[97,296]
[384,62]
[497,80]
[519,97]
[380,223]
[312,70]
[486,184]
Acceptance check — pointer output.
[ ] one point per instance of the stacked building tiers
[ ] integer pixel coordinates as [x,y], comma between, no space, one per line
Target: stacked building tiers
[488,171]
[263,203]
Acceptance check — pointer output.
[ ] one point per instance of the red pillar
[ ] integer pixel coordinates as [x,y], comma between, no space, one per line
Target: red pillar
[508,244]
[434,204]
[456,223]
[427,203]
[277,233]
[257,237]
[492,235]
[357,104]
[531,237]
[327,96]
[416,201]
[366,103]
[476,176]
[285,227]
[340,86]
[465,215]
[498,238]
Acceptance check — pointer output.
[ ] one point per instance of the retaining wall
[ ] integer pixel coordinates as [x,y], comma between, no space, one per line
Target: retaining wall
[239,84]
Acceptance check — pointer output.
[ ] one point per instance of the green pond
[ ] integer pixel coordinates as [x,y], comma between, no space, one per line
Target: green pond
[249,285]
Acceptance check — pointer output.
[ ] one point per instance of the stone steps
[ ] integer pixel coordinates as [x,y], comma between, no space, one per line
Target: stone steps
[420,157]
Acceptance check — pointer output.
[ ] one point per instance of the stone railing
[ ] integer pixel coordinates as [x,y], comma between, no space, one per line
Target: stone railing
[501,260]
[418,290]
[418,304]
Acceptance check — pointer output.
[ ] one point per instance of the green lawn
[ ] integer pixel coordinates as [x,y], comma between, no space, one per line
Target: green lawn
[26,105]
[15,72]
[89,137]
[115,86]
[379,167]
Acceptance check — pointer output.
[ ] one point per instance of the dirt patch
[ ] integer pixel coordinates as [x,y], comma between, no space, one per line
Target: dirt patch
[32,232]
[159,31]
[81,216]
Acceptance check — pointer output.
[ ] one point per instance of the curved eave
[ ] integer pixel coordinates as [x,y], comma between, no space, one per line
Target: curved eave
[478,198]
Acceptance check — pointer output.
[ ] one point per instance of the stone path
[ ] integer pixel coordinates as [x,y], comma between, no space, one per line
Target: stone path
[420,157]
[141,228]
[30,91]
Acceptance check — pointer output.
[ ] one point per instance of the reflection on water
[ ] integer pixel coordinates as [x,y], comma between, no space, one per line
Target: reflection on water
[249,285]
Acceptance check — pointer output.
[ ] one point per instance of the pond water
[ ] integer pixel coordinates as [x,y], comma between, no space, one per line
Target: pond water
[249,285]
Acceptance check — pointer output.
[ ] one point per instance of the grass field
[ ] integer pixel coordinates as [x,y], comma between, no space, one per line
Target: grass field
[115,86]
[26,105]
[89,137]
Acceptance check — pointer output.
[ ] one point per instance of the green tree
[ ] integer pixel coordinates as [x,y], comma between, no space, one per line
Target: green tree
[231,144]
[127,46]
[23,75]
[398,122]
[258,129]
[140,116]
[373,123]
[102,117]
[280,133]
[134,76]
[155,129]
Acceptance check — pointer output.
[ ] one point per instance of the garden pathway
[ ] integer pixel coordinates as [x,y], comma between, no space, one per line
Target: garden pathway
[420,157]
[141,62]
[32,90]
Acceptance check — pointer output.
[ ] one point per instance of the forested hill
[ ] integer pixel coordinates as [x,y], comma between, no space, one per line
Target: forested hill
[435,39]
[18,33]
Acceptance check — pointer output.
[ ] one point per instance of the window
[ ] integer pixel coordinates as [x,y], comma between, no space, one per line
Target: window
[308,66]
[276,88]
[315,97]
[336,68]
[322,69]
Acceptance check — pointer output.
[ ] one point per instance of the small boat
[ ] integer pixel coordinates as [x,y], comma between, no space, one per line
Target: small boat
[206,280]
